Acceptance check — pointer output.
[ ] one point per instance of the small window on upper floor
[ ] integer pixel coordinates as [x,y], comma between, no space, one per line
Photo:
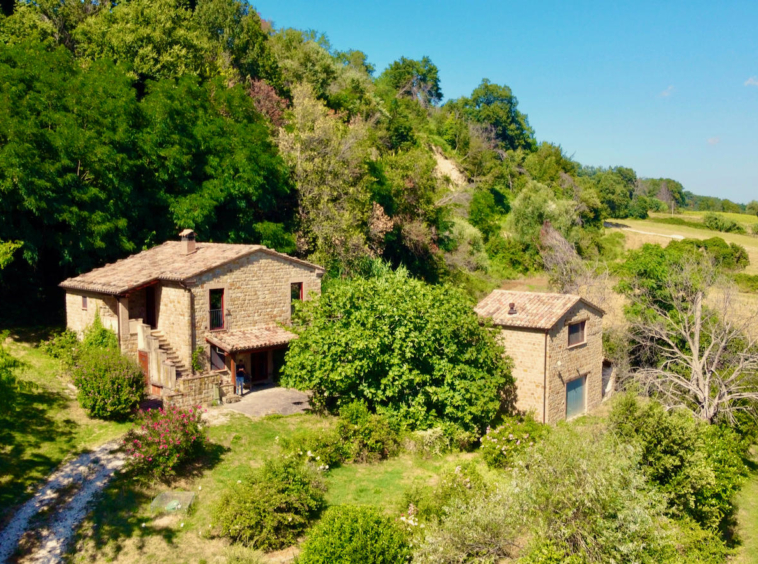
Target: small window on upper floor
[296,295]
[84,302]
[216,313]
[576,333]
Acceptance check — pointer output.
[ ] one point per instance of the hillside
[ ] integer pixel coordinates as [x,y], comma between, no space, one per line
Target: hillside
[114,139]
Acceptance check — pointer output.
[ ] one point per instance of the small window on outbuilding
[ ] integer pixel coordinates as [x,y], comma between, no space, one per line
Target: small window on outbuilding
[84,302]
[576,333]
[296,295]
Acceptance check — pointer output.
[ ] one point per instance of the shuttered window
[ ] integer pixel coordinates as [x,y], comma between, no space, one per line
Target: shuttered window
[576,333]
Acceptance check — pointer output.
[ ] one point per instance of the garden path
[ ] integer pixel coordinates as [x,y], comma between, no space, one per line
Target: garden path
[61,503]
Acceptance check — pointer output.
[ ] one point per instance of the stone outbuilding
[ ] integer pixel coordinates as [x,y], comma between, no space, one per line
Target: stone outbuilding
[556,343]
[228,302]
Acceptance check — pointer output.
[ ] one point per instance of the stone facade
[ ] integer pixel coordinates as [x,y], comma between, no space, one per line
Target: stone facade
[193,391]
[527,349]
[78,318]
[256,292]
[544,363]
[585,359]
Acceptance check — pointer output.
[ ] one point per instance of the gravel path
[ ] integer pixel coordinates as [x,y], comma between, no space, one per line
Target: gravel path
[87,474]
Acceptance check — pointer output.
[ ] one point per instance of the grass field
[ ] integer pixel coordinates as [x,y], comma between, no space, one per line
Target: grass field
[121,528]
[650,232]
[47,427]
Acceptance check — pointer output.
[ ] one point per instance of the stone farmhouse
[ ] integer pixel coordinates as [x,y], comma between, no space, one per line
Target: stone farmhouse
[555,341]
[232,301]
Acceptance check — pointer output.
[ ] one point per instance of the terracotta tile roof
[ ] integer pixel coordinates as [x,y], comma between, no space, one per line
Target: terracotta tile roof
[165,262]
[534,310]
[259,337]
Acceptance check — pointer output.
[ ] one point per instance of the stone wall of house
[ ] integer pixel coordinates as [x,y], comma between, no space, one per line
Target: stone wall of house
[137,305]
[527,349]
[256,292]
[78,319]
[577,361]
[173,318]
[192,391]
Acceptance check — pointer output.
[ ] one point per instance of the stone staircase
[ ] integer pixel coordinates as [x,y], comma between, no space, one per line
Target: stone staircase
[171,356]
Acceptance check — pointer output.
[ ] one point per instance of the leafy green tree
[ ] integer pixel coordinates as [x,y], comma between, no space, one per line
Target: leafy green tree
[415,352]
[156,38]
[752,207]
[698,467]
[495,105]
[7,248]
[68,159]
[328,162]
[418,80]
[535,205]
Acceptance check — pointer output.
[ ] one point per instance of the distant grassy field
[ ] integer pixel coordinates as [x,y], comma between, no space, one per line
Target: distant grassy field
[652,232]
[743,218]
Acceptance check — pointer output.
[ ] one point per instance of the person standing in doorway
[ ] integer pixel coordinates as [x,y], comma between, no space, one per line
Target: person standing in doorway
[240,379]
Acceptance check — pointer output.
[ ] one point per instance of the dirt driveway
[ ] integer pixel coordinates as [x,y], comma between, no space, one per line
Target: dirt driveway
[265,400]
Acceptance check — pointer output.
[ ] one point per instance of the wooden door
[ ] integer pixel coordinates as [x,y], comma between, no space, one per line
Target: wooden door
[145,365]
[150,306]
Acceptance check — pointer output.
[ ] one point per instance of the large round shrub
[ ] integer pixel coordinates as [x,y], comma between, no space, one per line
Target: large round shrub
[355,535]
[417,353]
[270,508]
[110,384]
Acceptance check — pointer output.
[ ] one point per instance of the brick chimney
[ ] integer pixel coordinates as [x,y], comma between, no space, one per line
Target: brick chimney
[188,241]
[512,309]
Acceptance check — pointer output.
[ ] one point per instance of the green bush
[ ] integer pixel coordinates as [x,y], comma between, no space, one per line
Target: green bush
[729,256]
[110,384]
[321,447]
[66,346]
[355,535]
[747,282]
[428,443]
[416,353]
[62,346]
[500,446]
[454,486]
[271,507]
[586,495]
[366,437]
[163,439]
[698,467]
[722,223]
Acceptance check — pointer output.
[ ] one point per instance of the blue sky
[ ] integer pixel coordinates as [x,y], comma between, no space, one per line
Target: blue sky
[667,88]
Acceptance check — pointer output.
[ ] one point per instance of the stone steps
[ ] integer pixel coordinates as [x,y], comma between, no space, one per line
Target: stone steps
[171,355]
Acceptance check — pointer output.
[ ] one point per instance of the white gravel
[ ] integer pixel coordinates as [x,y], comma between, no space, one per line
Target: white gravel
[90,472]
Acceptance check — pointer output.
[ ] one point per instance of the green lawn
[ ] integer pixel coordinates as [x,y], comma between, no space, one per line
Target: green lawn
[47,427]
[747,519]
[122,529]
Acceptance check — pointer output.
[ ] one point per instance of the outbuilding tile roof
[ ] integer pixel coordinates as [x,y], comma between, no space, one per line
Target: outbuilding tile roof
[535,310]
[165,262]
[260,337]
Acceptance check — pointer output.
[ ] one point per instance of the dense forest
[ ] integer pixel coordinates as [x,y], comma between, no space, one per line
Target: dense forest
[123,123]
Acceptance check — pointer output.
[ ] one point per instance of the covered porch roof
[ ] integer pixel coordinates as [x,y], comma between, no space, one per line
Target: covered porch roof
[255,338]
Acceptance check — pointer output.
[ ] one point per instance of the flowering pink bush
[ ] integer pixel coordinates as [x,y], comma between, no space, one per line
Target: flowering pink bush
[162,439]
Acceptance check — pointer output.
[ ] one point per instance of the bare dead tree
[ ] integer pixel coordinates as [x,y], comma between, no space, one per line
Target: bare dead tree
[568,272]
[706,356]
